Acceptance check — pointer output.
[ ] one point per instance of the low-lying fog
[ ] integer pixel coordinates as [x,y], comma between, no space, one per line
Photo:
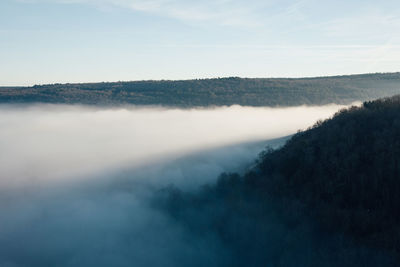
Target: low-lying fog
[51,142]
[75,181]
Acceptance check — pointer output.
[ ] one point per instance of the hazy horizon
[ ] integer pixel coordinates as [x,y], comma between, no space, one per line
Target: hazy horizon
[205,78]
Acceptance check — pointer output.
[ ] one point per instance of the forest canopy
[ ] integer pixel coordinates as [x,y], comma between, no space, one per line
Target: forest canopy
[338,181]
[214,92]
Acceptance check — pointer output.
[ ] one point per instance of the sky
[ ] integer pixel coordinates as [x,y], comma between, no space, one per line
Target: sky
[59,41]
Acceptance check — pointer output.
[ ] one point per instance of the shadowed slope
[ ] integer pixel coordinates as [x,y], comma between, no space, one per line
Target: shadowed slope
[329,197]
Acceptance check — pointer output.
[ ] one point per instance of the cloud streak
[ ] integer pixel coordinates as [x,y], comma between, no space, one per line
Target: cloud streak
[369,21]
[222,12]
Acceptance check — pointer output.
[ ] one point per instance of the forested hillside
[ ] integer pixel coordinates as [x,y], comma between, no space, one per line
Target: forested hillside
[338,182]
[213,92]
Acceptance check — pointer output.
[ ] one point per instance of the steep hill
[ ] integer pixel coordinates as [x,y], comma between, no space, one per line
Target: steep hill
[329,197]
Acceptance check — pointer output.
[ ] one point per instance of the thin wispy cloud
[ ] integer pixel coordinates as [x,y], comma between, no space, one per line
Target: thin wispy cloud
[373,22]
[222,12]
[182,39]
[373,26]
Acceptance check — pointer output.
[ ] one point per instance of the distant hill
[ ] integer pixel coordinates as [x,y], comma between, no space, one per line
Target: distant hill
[213,92]
[337,181]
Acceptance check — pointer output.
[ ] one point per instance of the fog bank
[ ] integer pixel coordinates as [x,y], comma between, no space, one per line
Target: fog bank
[61,142]
[117,159]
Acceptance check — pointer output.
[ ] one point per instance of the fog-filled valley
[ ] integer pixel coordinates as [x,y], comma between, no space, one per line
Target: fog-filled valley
[81,186]
[178,133]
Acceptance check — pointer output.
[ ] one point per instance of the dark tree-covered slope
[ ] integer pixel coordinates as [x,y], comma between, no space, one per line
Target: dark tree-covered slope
[346,170]
[213,92]
[333,190]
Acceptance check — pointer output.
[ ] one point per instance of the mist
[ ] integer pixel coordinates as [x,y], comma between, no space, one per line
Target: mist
[58,142]
[76,182]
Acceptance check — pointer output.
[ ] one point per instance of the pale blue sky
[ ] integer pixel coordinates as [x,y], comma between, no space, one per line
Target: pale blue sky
[47,41]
